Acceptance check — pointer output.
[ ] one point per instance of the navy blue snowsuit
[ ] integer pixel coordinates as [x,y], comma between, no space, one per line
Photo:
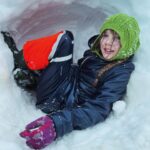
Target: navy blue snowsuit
[66,93]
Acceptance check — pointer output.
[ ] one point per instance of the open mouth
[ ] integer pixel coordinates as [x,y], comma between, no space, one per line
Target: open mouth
[107,51]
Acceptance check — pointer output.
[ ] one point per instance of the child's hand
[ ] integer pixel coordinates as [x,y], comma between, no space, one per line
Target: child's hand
[39,133]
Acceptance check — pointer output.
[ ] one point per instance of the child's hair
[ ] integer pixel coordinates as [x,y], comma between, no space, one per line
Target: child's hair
[102,34]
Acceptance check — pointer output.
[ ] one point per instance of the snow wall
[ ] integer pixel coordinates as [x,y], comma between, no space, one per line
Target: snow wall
[127,128]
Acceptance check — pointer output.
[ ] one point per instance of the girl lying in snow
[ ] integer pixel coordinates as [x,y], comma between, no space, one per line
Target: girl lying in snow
[75,96]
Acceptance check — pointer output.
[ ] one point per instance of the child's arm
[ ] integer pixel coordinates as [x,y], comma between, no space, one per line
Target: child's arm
[93,110]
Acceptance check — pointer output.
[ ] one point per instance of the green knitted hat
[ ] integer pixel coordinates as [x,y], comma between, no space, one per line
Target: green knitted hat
[128,30]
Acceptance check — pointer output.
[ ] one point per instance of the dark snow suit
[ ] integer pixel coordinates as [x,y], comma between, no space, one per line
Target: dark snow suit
[65,90]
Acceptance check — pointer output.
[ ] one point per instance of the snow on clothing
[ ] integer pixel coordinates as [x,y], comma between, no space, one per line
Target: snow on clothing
[65,90]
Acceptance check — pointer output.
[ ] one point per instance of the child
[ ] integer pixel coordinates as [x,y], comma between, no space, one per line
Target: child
[77,96]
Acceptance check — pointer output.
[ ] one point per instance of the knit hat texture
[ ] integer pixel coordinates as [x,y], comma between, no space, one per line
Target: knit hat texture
[128,29]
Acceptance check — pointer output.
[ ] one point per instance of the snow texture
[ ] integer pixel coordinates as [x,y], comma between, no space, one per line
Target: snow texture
[128,127]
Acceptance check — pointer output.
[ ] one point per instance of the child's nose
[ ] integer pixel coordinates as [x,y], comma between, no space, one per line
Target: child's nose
[110,41]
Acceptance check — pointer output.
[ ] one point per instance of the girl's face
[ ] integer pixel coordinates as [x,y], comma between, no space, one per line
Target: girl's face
[109,44]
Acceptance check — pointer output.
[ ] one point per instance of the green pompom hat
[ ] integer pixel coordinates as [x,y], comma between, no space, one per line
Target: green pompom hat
[128,30]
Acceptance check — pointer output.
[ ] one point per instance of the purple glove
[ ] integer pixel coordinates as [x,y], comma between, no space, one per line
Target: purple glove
[39,133]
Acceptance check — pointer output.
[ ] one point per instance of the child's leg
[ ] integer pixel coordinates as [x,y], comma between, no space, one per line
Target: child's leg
[17,54]
[22,75]
[49,88]
[10,42]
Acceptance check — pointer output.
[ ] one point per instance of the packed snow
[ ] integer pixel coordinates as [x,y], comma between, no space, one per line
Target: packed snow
[128,126]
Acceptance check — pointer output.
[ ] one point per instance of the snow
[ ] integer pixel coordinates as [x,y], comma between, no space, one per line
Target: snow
[127,128]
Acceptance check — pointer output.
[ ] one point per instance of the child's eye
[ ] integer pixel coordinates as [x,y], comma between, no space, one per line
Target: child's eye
[117,38]
[105,35]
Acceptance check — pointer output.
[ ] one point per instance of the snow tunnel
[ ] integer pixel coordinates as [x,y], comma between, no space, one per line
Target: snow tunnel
[127,130]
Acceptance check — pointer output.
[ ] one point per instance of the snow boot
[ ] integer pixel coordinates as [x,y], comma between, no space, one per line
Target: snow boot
[24,77]
[17,54]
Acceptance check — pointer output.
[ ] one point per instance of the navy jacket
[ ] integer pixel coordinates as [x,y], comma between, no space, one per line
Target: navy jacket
[88,105]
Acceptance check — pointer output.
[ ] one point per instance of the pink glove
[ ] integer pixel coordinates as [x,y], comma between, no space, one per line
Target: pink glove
[39,133]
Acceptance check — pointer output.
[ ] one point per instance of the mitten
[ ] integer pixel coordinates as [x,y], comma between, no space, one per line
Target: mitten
[39,133]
